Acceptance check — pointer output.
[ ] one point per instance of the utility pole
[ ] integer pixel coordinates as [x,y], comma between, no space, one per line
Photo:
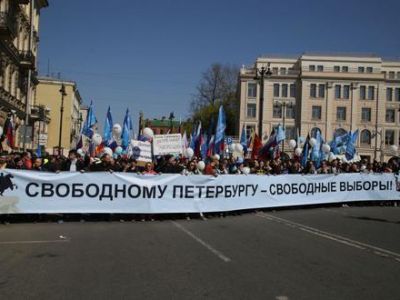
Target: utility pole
[63,93]
[261,74]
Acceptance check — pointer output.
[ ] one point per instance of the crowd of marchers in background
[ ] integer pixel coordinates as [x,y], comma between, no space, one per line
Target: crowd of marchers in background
[170,164]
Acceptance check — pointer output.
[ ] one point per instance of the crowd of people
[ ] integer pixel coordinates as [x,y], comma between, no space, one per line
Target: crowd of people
[170,164]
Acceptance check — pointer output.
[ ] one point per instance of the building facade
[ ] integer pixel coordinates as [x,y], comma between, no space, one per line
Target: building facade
[334,93]
[19,38]
[49,95]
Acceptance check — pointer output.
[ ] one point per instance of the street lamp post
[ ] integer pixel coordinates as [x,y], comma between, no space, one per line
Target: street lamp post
[284,105]
[261,74]
[63,94]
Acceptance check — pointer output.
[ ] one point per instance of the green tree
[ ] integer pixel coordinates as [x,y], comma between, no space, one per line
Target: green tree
[217,86]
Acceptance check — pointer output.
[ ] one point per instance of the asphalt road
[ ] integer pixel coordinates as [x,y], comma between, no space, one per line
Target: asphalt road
[334,253]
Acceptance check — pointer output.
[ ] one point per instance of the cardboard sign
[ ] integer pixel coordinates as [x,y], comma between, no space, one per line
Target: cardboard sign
[164,144]
[141,151]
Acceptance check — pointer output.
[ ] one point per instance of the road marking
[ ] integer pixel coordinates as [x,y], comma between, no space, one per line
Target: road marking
[203,243]
[33,242]
[334,237]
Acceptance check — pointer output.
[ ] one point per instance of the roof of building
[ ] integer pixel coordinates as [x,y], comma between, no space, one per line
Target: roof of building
[162,123]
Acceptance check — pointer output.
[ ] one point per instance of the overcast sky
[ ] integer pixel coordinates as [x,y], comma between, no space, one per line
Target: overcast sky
[149,55]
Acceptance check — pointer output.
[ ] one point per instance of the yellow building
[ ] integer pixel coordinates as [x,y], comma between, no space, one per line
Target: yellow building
[49,94]
[330,92]
[19,38]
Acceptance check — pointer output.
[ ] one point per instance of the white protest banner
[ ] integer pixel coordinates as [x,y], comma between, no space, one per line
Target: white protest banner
[167,144]
[102,192]
[141,151]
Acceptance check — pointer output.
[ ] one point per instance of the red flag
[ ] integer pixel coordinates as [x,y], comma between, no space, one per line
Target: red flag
[9,132]
[256,147]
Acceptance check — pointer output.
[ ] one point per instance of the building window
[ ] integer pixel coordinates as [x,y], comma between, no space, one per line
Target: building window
[397,94]
[316,113]
[321,90]
[366,114]
[252,90]
[277,111]
[345,69]
[283,71]
[363,92]
[391,75]
[284,90]
[365,137]
[389,137]
[361,69]
[369,69]
[292,90]
[275,70]
[320,68]
[313,90]
[251,110]
[250,129]
[390,116]
[338,91]
[336,69]
[276,89]
[291,111]
[389,94]
[290,132]
[341,114]
[398,75]
[311,68]
[346,91]
[371,92]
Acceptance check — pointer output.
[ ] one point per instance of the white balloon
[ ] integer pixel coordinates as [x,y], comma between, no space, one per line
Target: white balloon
[326,148]
[201,165]
[97,139]
[332,157]
[108,151]
[1,131]
[394,148]
[313,142]
[292,144]
[246,170]
[80,152]
[232,147]
[118,150]
[189,153]
[298,151]
[239,147]
[117,129]
[148,132]
[216,156]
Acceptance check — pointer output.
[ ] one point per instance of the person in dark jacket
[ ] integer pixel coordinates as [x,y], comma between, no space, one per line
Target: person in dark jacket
[73,163]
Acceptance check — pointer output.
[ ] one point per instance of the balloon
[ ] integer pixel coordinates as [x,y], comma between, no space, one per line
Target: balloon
[217,157]
[332,157]
[231,147]
[1,131]
[292,144]
[118,150]
[298,151]
[108,151]
[394,148]
[201,165]
[148,132]
[189,153]
[239,148]
[313,142]
[97,139]
[246,170]
[80,152]
[117,129]
[326,148]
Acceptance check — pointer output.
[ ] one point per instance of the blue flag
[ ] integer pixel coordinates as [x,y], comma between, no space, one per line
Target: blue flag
[220,131]
[243,139]
[280,134]
[89,122]
[126,130]
[350,146]
[108,125]
[316,151]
